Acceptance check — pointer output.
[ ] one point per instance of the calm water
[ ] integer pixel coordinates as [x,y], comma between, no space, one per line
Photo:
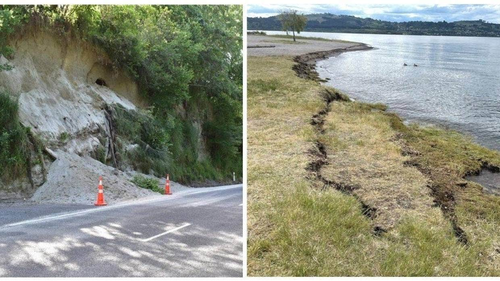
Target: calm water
[456,83]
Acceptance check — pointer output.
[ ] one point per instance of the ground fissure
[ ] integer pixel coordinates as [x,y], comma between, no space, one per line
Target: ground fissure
[320,158]
[444,198]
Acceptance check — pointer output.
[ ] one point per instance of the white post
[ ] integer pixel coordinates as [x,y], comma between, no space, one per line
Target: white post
[234,177]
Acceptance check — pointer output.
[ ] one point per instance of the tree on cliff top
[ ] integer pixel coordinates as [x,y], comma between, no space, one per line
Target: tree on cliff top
[291,20]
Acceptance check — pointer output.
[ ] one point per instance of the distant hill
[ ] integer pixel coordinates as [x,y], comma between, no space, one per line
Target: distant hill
[351,24]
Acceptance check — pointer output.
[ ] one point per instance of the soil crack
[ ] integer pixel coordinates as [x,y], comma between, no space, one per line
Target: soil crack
[444,196]
[306,68]
[320,158]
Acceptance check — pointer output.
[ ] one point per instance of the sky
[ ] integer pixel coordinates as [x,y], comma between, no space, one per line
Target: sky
[389,12]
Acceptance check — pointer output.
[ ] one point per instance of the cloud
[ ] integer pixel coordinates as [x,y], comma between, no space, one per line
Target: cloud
[398,13]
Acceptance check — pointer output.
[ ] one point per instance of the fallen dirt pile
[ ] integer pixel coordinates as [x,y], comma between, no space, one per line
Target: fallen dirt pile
[74,179]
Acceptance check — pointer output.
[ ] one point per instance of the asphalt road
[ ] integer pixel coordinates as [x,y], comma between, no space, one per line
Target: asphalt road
[193,233]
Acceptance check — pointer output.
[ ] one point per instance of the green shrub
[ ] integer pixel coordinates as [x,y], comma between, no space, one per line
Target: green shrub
[144,130]
[147,183]
[100,154]
[63,137]
[14,149]
[146,159]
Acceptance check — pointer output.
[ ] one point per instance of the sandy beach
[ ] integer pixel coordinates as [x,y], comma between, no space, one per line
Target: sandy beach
[286,47]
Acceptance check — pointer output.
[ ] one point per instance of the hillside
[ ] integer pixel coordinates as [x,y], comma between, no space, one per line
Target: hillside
[352,24]
[135,87]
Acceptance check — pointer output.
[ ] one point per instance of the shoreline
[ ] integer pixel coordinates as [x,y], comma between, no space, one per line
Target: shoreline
[479,137]
[306,67]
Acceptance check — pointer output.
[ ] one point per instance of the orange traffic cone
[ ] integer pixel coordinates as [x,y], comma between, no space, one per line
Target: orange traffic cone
[167,186]
[100,195]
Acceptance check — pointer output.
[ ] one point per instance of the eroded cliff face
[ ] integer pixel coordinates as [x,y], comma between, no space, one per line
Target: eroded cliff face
[63,85]
[67,90]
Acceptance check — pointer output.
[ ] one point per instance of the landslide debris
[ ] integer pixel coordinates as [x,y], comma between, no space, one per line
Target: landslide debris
[74,179]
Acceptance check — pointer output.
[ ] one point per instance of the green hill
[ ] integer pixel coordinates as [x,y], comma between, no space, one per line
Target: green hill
[351,24]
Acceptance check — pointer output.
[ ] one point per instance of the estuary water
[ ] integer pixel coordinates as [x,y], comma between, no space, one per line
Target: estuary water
[455,84]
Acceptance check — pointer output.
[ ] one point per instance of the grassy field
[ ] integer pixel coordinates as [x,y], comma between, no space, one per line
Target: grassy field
[300,227]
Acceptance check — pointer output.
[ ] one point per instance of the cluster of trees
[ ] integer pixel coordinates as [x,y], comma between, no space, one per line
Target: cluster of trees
[187,57]
[292,21]
[351,24]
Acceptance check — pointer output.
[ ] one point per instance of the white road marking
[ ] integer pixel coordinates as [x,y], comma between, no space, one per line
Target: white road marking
[118,205]
[211,200]
[50,218]
[165,233]
[240,205]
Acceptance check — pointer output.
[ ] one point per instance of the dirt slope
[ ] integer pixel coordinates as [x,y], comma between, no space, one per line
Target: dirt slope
[63,86]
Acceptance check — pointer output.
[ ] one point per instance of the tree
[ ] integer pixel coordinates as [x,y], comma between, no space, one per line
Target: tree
[291,20]
[284,18]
